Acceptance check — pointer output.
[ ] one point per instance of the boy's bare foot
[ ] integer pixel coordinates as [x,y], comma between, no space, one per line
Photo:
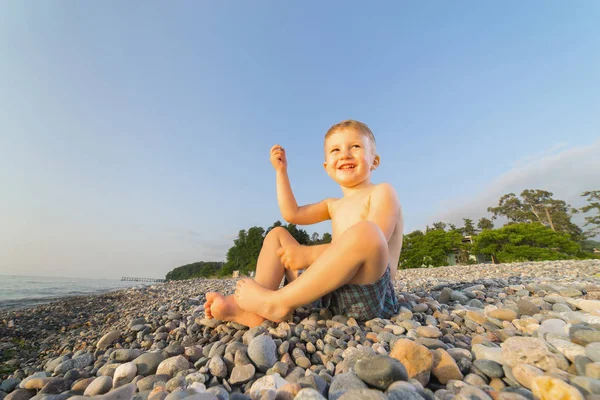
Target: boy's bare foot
[226,309]
[255,298]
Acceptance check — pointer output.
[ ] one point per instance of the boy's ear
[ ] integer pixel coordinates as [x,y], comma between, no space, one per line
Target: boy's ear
[376,162]
[325,166]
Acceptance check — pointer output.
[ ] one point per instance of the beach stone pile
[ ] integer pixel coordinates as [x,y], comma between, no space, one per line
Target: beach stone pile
[502,332]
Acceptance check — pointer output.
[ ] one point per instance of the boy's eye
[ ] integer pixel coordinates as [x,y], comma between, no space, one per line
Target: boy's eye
[356,145]
[332,150]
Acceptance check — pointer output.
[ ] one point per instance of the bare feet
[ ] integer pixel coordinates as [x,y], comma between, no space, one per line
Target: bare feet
[226,309]
[255,298]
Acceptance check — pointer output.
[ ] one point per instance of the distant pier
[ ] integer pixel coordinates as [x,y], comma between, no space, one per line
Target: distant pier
[134,279]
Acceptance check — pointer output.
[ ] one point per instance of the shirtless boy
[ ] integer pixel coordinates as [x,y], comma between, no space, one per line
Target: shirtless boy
[353,274]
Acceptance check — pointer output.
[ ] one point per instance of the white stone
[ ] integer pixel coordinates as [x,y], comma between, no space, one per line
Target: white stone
[124,374]
[268,382]
[487,353]
[589,305]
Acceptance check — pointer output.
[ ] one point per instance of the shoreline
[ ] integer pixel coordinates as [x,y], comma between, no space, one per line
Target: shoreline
[463,315]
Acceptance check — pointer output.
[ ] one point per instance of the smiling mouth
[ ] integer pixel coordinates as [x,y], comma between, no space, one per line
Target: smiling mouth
[347,167]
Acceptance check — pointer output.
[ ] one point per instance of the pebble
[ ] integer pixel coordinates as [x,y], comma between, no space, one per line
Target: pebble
[513,331]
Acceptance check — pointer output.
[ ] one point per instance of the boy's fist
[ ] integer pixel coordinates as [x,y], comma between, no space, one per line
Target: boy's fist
[294,257]
[278,158]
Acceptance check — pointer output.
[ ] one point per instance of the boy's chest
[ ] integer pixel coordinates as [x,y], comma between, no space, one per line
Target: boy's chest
[346,212]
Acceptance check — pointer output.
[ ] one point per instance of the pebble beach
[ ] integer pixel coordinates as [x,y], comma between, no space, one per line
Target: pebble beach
[480,332]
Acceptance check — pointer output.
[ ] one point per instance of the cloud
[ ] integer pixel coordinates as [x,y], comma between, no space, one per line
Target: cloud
[566,172]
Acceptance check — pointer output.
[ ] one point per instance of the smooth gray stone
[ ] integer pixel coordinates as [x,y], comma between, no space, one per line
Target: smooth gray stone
[344,382]
[147,363]
[490,368]
[380,371]
[8,385]
[263,352]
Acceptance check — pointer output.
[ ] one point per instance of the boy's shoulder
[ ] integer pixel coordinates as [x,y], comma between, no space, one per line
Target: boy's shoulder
[383,192]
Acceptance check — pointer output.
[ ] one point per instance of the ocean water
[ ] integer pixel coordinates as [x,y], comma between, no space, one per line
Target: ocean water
[28,291]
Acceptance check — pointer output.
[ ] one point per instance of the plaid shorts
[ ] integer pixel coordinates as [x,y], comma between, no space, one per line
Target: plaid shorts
[363,302]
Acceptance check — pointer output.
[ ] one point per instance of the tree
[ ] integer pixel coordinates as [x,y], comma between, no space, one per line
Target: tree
[485,223]
[452,227]
[433,246]
[537,206]
[300,235]
[469,228]
[593,197]
[243,255]
[440,226]
[314,239]
[525,242]
[326,238]
[199,269]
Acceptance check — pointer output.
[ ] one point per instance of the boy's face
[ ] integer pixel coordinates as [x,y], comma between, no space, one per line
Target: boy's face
[349,158]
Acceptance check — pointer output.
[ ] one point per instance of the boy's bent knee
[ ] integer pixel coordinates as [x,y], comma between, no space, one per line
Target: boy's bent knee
[277,231]
[370,235]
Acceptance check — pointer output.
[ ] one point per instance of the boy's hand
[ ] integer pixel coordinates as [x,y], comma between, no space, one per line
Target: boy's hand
[294,257]
[278,158]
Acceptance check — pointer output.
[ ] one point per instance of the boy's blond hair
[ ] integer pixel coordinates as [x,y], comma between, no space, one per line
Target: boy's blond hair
[358,126]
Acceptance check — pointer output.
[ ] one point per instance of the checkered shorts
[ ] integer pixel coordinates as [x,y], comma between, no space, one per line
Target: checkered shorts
[364,302]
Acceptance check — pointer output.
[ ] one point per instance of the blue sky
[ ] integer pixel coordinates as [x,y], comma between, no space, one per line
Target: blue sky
[134,137]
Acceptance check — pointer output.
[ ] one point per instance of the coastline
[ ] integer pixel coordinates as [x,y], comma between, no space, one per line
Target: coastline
[460,315]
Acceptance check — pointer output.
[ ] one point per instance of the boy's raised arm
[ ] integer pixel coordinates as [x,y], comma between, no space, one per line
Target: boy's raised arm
[304,215]
[384,209]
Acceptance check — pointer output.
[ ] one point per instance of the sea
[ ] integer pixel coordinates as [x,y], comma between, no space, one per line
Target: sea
[28,291]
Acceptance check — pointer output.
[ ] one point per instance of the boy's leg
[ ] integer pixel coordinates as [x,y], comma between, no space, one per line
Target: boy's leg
[269,272]
[359,256]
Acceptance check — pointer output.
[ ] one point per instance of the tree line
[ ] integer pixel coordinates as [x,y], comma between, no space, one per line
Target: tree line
[243,255]
[536,227]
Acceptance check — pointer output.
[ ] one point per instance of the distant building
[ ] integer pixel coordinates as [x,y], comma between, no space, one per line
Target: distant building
[458,256]
[236,274]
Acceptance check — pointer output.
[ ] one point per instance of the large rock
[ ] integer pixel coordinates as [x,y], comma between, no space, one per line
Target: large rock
[100,385]
[528,350]
[107,339]
[148,363]
[124,374]
[171,366]
[416,358]
[123,393]
[263,352]
[20,394]
[444,367]
[344,382]
[380,371]
[242,374]
[268,382]
[548,388]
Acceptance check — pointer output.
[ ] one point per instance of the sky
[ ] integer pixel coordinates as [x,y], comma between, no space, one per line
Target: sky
[135,137]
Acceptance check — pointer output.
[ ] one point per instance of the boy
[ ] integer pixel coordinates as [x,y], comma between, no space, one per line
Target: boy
[354,273]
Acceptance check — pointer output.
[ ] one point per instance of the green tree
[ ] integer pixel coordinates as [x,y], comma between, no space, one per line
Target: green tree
[299,234]
[433,246]
[200,269]
[485,223]
[314,238]
[440,226]
[538,206]
[326,238]
[468,228]
[525,242]
[243,255]
[593,198]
